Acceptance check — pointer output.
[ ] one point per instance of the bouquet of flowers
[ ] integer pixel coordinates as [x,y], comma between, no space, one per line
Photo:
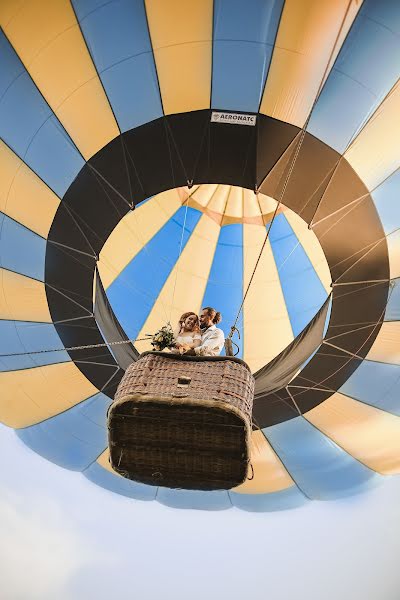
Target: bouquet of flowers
[163,338]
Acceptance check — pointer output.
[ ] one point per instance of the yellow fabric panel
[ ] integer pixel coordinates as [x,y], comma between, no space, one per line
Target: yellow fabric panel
[251,205]
[371,435]
[307,35]
[181,35]
[312,247]
[186,284]
[23,196]
[269,473]
[22,298]
[33,395]
[133,232]
[393,242]
[204,193]
[219,199]
[265,316]
[104,462]
[9,9]
[374,154]
[386,347]
[267,204]
[234,205]
[47,38]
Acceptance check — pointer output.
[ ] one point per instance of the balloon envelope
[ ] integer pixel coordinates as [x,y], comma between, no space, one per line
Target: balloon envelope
[134,136]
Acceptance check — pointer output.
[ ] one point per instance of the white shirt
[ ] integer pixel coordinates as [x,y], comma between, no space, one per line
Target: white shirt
[212,342]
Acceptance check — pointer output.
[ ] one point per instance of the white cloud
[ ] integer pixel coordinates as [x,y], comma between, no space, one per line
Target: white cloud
[64,538]
[40,551]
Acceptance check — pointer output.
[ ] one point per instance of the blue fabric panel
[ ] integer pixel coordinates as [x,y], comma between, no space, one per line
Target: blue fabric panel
[328,317]
[134,292]
[244,36]
[21,250]
[193,499]
[117,37]
[21,336]
[376,384]
[282,500]
[386,199]
[224,290]
[29,127]
[119,485]
[11,67]
[393,306]
[302,289]
[72,439]
[364,72]
[321,469]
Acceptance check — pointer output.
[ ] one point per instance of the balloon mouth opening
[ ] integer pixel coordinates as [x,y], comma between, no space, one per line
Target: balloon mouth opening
[189,247]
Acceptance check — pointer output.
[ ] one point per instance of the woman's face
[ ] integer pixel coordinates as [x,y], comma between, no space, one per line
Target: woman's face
[190,322]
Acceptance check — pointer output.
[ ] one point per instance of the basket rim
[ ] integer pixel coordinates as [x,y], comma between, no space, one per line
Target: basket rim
[187,358]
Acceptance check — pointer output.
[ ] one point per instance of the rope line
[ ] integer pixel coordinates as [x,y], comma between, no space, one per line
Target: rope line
[281,195]
[87,347]
[352,355]
[180,252]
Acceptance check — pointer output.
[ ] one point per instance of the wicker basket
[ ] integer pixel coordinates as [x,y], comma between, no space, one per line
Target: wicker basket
[182,422]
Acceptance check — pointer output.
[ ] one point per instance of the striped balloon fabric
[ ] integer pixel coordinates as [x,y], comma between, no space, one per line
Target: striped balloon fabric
[166,146]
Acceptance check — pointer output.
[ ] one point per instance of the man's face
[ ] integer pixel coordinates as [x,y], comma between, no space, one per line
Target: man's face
[205,319]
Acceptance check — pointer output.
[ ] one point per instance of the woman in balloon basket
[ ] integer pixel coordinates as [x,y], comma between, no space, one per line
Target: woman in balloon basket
[193,336]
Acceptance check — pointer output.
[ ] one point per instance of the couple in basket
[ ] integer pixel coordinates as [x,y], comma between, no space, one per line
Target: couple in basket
[199,336]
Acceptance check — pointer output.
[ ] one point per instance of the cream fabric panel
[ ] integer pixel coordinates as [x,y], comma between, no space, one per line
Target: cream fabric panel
[265,316]
[267,204]
[33,395]
[251,206]
[386,347]
[103,461]
[181,35]
[374,154]
[234,206]
[186,284]
[22,298]
[371,435]
[219,200]
[312,247]
[204,193]
[393,242]
[48,40]
[269,473]
[23,196]
[306,46]
[133,232]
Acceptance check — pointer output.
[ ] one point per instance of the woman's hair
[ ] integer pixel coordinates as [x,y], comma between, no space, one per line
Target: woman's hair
[196,327]
[216,317]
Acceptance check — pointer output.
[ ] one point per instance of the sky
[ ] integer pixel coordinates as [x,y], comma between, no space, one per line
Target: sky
[64,538]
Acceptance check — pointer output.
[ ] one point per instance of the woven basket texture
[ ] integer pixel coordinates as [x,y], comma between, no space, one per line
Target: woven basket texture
[182,423]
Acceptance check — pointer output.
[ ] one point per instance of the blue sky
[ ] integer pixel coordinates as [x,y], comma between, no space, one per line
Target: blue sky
[63,538]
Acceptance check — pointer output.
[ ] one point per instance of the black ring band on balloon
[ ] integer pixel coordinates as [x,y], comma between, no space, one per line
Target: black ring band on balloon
[169,152]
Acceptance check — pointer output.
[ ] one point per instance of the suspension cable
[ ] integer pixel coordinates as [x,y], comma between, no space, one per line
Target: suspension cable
[186,203]
[293,161]
[87,347]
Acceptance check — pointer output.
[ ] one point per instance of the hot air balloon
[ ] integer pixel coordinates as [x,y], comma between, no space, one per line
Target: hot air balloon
[159,156]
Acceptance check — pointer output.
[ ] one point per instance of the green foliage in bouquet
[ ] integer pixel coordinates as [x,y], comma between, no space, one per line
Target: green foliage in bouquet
[163,338]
